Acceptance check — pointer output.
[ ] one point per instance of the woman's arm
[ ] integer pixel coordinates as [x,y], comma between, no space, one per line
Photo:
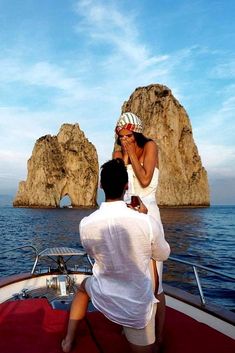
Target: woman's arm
[117,154]
[144,172]
[120,154]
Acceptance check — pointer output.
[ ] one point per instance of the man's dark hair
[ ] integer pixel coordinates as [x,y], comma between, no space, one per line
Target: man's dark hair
[113,178]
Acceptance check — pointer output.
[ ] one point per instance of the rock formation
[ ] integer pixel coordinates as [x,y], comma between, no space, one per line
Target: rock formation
[183,179]
[66,164]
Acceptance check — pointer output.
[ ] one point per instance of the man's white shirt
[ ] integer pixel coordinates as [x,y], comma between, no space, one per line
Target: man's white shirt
[122,242]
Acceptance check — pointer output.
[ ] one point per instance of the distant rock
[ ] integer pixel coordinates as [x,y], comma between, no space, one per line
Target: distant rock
[66,164]
[183,180]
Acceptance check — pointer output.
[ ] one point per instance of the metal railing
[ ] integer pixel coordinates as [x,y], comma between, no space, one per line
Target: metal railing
[19,248]
[35,252]
[194,266]
[201,267]
[58,252]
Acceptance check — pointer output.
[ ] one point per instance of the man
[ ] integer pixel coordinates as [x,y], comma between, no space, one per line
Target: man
[122,242]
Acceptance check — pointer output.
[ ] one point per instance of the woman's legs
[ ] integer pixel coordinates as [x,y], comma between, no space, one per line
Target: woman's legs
[77,313]
[161,307]
[160,317]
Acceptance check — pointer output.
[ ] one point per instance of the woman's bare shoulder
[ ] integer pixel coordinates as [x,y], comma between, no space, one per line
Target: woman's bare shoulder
[150,145]
[151,153]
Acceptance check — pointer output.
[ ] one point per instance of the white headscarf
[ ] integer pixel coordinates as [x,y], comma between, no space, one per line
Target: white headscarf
[129,121]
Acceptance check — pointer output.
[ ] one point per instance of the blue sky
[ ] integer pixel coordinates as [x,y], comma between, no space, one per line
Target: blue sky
[78,61]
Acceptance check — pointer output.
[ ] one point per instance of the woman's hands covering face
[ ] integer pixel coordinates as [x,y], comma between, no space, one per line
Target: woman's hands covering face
[128,144]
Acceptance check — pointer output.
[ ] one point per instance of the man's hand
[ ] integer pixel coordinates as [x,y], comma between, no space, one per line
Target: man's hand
[142,208]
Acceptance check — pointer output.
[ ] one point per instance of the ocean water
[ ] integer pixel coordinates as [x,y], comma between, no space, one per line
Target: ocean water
[201,235]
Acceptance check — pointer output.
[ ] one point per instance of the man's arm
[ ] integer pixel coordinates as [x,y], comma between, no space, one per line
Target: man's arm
[160,247]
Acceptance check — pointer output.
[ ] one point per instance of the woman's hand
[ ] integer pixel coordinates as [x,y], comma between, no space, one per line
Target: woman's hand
[128,146]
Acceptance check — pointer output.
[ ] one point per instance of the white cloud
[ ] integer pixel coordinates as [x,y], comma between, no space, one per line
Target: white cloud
[219,160]
[218,126]
[40,74]
[108,25]
[215,138]
[19,125]
[225,70]
[13,166]
[129,63]
[45,74]
[6,155]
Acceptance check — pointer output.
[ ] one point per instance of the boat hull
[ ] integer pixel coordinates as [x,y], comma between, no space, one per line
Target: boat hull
[189,326]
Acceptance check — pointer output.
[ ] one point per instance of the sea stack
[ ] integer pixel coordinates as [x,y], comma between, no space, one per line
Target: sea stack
[183,180]
[66,164]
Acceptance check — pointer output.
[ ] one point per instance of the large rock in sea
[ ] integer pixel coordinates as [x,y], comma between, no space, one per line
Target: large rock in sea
[66,164]
[183,180]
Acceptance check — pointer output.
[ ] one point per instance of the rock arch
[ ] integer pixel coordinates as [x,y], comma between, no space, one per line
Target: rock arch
[60,165]
[65,201]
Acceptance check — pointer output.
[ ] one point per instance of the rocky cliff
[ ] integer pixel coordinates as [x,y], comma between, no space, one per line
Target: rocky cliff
[66,164]
[183,179]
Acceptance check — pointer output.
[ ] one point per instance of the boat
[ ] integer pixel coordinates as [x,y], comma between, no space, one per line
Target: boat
[34,311]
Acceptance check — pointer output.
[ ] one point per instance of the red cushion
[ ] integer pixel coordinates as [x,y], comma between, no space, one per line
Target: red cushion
[107,333]
[32,326]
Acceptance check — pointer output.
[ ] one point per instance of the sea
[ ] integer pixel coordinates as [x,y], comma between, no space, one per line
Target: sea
[205,236]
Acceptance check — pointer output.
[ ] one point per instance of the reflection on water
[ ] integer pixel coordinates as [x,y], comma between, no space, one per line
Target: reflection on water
[205,236]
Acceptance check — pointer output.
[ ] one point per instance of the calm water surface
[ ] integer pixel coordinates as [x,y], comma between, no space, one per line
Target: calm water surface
[204,235]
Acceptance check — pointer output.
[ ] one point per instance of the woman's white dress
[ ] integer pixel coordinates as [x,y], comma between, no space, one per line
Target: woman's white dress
[148,196]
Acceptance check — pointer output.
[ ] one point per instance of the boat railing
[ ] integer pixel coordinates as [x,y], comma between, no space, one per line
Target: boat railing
[195,268]
[57,254]
[23,247]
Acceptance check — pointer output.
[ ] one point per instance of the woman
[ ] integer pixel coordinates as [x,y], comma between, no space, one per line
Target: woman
[140,155]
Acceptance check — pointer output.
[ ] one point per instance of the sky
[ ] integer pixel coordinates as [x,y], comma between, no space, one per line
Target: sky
[67,61]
